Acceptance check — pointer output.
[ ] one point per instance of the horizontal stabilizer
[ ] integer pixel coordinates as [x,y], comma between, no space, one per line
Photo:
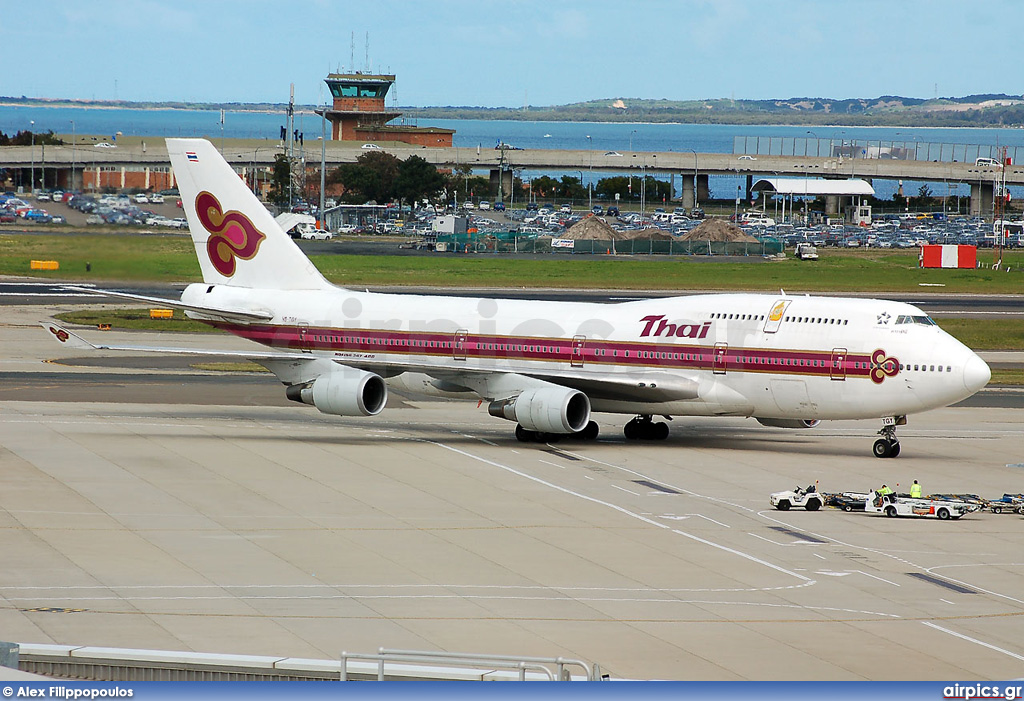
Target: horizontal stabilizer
[243,315]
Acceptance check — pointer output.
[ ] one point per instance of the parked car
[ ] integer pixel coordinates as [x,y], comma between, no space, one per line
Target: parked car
[156,198]
[317,235]
[371,146]
[499,206]
[613,211]
[484,204]
[141,198]
[597,209]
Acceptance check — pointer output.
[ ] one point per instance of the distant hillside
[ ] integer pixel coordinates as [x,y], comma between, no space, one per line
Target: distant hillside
[887,110]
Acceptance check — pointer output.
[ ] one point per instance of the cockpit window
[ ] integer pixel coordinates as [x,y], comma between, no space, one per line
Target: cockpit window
[909,319]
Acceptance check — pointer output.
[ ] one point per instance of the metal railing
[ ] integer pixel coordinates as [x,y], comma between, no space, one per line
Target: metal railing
[547,668]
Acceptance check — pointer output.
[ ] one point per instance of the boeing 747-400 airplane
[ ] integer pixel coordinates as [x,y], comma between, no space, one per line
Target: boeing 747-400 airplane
[787,361]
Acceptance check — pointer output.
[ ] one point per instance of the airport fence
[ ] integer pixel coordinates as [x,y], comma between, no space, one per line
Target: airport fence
[482,243]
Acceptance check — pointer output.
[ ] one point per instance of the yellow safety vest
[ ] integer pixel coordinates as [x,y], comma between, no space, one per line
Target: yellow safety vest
[915,490]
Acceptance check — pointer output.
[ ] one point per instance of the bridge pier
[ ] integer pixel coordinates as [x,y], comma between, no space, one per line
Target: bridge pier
[501,180]
[703,190]
[832,206]
[981,198]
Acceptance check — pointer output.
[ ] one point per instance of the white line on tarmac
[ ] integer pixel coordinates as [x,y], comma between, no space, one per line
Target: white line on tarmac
[560,467]
[708,518]
[623,489]
[947,602]
[974,640]
[794,544]
[807,580]
[878,578]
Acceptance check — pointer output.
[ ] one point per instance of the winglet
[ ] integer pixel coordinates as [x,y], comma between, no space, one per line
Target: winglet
[69,339]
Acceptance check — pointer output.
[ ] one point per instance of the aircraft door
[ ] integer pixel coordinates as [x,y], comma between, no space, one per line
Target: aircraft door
[718,360]
[837,368]
[459,344]
[578,346]
[304,342]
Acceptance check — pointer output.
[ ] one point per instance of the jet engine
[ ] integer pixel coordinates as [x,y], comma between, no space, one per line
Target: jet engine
[545,409]
[789,423]
[343,392]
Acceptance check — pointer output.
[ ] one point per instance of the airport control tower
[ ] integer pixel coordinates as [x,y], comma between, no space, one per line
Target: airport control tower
[359,114]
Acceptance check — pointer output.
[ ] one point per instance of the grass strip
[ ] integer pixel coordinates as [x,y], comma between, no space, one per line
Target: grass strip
[172,259]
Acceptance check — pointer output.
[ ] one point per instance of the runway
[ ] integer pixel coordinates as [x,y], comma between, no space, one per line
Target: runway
[202,514]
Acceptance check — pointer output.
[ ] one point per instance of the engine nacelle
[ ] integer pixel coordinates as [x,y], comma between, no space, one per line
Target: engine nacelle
[789,423]
[347,392]
[546,409]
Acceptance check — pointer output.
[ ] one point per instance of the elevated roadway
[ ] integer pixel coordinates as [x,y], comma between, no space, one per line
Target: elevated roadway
[242,153]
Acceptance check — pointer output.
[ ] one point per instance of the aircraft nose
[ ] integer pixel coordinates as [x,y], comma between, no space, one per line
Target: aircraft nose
[976,373]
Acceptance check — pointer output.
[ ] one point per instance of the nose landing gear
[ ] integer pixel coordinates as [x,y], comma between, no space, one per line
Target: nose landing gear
[888,446]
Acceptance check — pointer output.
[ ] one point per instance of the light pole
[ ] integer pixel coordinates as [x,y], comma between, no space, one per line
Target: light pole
[581,181]
[815,143]
[634,156]
[32,172]
[71,184]
[643,186]
[590,180]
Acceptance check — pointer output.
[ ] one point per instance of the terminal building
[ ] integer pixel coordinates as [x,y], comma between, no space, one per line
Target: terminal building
[358,113]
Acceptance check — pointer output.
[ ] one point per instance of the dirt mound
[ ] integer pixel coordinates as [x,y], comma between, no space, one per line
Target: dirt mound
[592,229]
[718,230]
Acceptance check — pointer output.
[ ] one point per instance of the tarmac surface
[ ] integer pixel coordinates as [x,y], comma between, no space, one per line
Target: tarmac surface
[147,504]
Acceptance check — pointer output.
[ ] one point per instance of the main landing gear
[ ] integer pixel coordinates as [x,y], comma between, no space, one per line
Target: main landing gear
[888,446]
[643,429]
[525,435]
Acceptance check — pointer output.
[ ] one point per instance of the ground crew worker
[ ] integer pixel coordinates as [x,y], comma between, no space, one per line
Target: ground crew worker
[915,490]
[884,490]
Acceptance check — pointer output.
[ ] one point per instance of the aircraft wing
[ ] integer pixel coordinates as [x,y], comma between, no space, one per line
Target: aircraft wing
[495,384]
[242,315]
[296,367]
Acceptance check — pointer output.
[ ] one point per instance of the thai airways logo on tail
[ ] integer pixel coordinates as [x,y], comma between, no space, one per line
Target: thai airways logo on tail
[233,234]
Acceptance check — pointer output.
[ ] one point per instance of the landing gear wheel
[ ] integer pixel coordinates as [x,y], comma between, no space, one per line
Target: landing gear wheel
[888,446]
[590,431]
[525,435]
[642,428]
[633,430]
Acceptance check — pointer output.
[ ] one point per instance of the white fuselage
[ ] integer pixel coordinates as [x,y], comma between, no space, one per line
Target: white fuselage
[767,356]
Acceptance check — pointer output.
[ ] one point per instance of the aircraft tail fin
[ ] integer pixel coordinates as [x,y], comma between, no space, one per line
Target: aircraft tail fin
[236,239]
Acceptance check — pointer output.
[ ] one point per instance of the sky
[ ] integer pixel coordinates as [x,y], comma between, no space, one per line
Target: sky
[510,53]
